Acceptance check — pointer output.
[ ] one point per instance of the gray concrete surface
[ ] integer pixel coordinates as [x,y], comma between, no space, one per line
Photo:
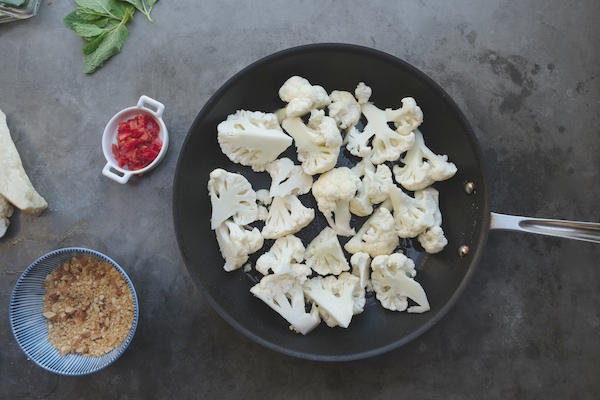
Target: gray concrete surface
[526,76]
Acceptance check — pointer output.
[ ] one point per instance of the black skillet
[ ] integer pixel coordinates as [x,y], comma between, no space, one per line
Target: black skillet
[463,200]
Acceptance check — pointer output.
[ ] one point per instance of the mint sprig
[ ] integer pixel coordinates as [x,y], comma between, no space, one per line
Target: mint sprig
[144,6]
[103,25]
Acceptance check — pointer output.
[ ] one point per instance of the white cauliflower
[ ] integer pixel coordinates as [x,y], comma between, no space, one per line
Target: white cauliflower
[284,294]
[422,167]
[406,118]
[363,93]
[344,109]
[361,267]
[379,180]
[6,211]
[333,192]
[317,143]
[263,213]
[252,138]
[358,142]
[324,254]
[374,189]
[231,195]
[288,178]
[431,196]
[338,298]
[318,282]
[302,97]
[392,279]
[287,215]
[412,214]
[387,144]
[284,257]
[377,236]
[263,197]
[432,239]
[236,243]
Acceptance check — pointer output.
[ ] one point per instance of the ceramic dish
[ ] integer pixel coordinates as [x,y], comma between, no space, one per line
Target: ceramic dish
[29,325]
[145,105]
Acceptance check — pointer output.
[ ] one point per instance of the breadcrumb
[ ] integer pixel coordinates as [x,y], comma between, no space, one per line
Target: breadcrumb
[88,307]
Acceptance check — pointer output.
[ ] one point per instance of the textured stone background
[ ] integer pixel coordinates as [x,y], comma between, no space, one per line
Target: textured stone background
[526,76]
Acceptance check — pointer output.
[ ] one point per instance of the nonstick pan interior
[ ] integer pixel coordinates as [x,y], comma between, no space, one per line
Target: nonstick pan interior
[466,216]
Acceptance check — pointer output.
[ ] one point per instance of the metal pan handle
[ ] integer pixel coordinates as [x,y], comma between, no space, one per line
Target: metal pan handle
[586,231]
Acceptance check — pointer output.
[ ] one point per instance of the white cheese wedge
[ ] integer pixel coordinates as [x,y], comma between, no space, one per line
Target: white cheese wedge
[15,185]
[6,211]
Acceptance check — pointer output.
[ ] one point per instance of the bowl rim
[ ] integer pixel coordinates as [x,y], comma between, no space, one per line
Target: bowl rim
[98,362]
[110,133]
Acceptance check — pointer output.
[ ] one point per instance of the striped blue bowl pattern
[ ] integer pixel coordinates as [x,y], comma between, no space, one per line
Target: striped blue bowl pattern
[29,325]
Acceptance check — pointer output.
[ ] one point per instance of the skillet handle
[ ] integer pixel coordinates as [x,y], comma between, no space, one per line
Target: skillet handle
[586,231]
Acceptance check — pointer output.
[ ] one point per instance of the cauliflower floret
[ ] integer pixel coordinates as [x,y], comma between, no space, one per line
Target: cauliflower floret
[231,195]
[422,167]
[377,236]
[6,211]
[361,267]
[344,109]
[302,96]
[406,118]
[432,239]
[363,93]
[284,257]
[324,254]
[412,214]
[236,243]
[337,298]
[263,213]
[374,189]
[380,181]
[317,144]
[392,279]
[387,144]
[288,178]
[333,192]
[252,138]
[357,142]
[263,197]
[287,215]
[284,294]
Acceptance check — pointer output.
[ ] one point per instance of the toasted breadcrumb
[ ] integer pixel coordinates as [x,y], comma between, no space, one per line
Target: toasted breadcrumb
[88,307]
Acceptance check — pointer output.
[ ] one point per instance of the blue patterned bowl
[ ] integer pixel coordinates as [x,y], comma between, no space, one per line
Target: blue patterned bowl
[29,325]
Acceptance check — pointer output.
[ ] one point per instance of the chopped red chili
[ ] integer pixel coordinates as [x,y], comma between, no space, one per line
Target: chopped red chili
[138,143]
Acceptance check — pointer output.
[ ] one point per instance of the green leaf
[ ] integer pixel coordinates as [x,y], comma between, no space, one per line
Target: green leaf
[89,15]
[16,3]
[143,6]
[72,19]
[85,16]
[100,6]
[121,8]
[139,4]
[88,31]
[111,44]
[92,45]
[101,22]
